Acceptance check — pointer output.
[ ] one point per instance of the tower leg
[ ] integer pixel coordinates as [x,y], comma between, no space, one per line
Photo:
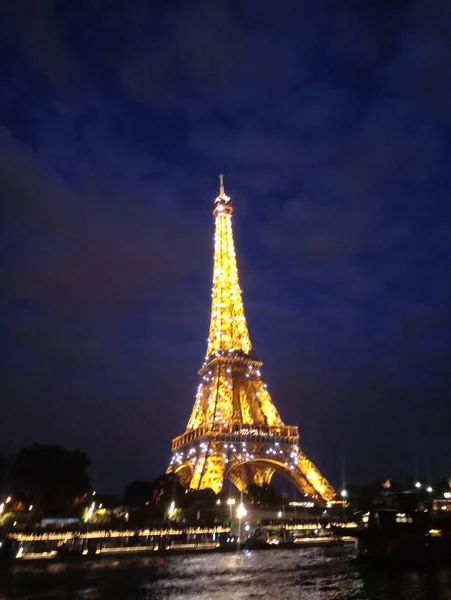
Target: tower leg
[209,474]
[185,476]
[184,473]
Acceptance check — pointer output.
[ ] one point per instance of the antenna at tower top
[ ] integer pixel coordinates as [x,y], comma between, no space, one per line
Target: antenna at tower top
[222,204]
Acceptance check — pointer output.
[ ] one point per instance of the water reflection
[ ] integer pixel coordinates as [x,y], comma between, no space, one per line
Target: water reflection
[309,574]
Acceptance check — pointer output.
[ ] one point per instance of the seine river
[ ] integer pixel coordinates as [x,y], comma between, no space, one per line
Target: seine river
[309,573]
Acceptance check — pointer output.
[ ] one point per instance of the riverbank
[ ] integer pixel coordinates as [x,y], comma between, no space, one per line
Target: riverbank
[177,548]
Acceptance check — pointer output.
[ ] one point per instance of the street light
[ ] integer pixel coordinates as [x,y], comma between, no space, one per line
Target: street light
[344,494]
[241,511]
[429,489]
[279,514]
[418,485]
[231,502]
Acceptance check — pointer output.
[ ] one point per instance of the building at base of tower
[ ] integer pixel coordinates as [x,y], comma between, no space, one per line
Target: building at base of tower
[235,432]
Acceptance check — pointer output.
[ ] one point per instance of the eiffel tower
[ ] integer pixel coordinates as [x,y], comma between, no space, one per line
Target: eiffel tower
[235,432]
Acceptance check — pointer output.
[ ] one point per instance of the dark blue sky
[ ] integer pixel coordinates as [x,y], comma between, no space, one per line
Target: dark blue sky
[331,121]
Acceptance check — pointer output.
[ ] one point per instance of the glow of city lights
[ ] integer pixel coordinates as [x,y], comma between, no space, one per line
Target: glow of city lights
[241,511]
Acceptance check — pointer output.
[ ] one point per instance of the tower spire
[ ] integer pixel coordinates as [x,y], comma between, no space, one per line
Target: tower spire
[228,327]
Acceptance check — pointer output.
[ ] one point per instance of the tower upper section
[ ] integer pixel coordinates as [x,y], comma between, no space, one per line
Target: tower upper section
[228,327]
[223,204]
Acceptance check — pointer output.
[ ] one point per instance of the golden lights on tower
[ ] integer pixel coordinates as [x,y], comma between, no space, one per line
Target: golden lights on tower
[235,432]
[228,327]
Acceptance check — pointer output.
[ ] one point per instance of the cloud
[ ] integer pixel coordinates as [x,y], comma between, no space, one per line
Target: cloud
[419,67]
[86,251]
[203,49]
[35,29]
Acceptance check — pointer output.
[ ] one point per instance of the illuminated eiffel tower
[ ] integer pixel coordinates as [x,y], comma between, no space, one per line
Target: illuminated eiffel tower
[235,432]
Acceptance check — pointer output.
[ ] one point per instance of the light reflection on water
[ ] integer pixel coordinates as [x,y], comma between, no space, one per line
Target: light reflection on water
[305,574]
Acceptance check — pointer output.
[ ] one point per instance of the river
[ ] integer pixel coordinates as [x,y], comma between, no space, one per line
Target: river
[308,573]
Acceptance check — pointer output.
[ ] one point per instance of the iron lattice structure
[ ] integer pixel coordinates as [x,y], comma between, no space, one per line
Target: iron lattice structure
[235,432]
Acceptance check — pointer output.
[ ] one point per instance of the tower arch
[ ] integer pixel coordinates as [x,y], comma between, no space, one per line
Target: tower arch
[261,470]
[184,473]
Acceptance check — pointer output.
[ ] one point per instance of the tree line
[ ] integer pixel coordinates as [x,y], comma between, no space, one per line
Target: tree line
[47,476]
[56,480]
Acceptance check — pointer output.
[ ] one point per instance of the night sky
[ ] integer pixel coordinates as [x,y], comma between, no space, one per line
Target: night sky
[331,122]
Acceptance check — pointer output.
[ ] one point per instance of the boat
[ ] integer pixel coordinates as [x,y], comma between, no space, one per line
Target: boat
[391,536]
